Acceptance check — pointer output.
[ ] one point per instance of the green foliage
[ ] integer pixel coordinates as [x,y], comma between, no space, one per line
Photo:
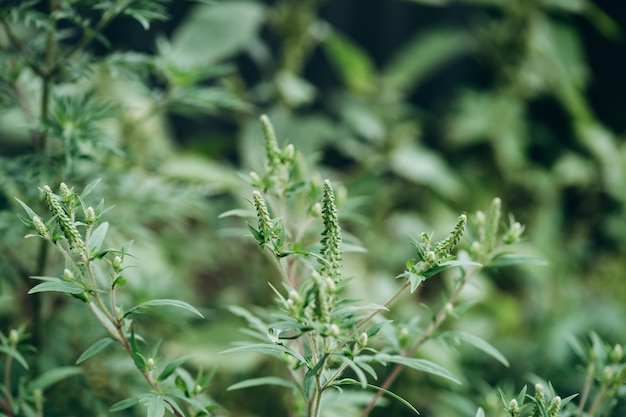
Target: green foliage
[417,127]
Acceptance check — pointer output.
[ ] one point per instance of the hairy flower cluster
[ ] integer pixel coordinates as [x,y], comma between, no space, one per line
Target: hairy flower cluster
[444,248]
[74,239]
[263,217]
[331,240]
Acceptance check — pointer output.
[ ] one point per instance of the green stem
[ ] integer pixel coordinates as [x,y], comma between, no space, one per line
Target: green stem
[430,330]
[7,385]
[591,369]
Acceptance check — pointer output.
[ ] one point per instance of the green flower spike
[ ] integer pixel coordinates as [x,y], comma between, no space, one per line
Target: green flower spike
[540,401]
[331,241]
[263,217]
[272,151]
[322,308]
[444,248]
[74,239]
[554,407]
[492,222]
[513,409]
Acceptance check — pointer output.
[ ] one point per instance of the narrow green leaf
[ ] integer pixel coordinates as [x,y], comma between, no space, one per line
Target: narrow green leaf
[373,331]
[450,264]
[237,213]
[94,349]
[89,187]
[27,209]
[58,286]
[15,355]
[171,367]
[351,62]
[162,303]
[512,259]
[53,376]
[478,343]
[419,365]
[97,237]
[349,381]
[124,404]
[480,412]
[269,380]
[275,350]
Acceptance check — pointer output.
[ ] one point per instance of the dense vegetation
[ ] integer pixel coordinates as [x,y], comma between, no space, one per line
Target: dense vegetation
[438,188]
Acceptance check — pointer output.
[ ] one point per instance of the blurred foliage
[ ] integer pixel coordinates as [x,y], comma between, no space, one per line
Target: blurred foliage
[420,110]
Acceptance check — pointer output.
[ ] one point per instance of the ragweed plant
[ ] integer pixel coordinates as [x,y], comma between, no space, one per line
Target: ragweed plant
[323,338]
[94,274]
[538,405]
[605,376]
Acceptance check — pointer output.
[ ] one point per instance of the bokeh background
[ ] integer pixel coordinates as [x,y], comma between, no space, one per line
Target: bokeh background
[419,110]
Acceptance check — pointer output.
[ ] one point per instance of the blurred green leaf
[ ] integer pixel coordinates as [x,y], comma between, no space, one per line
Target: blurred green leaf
[478,343]
[424,54]
[419,365]
[352,63]
[53,376]
[214,32]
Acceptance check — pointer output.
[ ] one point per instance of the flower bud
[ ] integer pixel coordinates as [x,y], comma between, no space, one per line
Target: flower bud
[334,330]
[330,284]
[14,337]
[289,152]
[513,409]
[150,363]
[66,193]
[41,227]
[68,275]
[90,216]
[316,209]
[117,264]
[256,180]
[616,354]
[362,340]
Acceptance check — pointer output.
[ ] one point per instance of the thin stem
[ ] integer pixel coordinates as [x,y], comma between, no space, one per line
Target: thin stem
[5,406]
[598,401]
[7,384]
[591,369]
[434,325]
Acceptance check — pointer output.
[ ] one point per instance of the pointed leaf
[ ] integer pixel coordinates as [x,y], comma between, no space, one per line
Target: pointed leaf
[124,404]
[418,364]
[162,303]
[97,237]
[89,187]
[94,349]
[237,213]
[512,259]
[478,343]
[15,355]
[275,350]
[171,367]
[53,376]
[349,381]
[269,380]
[27,209]
[57,286]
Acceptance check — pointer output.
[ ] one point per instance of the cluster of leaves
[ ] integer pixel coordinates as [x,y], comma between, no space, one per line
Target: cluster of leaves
[317,331]
[75,230]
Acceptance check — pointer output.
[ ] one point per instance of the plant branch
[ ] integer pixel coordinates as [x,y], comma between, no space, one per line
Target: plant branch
[440,317]
[586,388]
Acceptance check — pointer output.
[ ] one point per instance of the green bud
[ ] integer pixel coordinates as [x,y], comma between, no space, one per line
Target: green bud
[41,227]
[14,337]
[256,180]
[263,217]
[554,407]
[316,209]
[616,354]
[66,193]
[117,264]
[289,152]
[90,216]
[150,363]
[68,275]
[513,409]
[333,330]
[362,340]
[331,236]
